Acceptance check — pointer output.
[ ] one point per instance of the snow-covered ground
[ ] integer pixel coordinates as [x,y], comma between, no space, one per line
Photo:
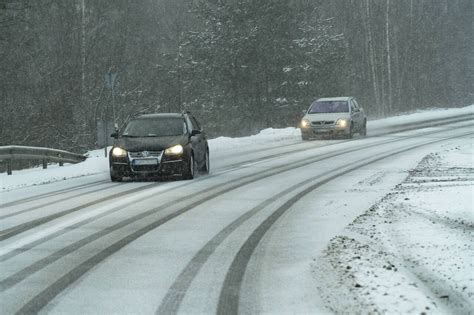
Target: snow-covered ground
[410,252]
[413,252]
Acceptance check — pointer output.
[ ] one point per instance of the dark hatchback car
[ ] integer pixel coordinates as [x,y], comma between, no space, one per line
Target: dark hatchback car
[159,145]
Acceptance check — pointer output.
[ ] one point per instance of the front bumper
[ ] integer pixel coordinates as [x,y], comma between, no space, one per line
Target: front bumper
[325,130]
[129,166]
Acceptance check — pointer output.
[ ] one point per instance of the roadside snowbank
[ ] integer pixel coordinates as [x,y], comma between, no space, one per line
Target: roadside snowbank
[94,164]
[413,251]
[420,116]
[264,137]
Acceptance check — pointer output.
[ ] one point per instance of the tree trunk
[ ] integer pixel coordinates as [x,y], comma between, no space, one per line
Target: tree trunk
[372,56]
[389,70]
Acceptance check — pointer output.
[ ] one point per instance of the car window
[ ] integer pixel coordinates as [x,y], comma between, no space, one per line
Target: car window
[329,107]
[155,127]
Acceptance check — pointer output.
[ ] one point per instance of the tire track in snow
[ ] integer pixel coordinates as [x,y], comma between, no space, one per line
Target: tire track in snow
[230,292]
[6,216]
[53,193]
[45,296]
[20,228]
[15,230]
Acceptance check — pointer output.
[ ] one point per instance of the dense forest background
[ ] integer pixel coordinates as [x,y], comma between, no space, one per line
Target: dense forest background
[238,65]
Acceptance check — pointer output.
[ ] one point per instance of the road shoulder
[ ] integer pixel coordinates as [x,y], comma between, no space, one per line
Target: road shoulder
[412,251]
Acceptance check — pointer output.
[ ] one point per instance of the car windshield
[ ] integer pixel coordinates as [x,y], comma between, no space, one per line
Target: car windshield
[329,107]
[155,127]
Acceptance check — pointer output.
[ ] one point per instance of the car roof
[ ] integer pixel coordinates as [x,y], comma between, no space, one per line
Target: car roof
[161,115]
[339,98]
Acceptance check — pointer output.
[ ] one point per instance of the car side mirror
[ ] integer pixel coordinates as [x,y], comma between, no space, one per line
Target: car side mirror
[303,111]
[195,132]
[114,135]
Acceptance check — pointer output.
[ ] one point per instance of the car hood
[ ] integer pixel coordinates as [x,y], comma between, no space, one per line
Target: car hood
[149,143]
[327,116]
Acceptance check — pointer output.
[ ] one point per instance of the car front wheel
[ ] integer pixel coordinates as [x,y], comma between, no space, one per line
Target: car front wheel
[207,164]
[363,132]
[116,178]
[351,132]
[189,168]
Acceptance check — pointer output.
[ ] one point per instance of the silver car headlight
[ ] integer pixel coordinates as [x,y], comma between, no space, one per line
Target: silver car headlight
[342,123]
[175,150]
[305,123]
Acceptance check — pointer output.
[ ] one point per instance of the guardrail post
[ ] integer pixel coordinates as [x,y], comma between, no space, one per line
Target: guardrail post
[45,164]
[9,166]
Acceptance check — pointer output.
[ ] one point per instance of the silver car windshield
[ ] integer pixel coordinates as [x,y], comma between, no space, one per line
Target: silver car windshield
[156,127]
[329,107]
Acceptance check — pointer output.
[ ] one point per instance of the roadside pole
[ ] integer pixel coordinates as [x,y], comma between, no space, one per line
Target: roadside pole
[110,83]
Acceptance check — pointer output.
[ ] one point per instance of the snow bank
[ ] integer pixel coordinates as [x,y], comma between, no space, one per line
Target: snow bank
[413,251]
[419,116]
[265,137]
[95,163]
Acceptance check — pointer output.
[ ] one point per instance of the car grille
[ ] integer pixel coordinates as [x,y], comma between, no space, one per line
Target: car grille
[322,123]
[145,154]
[145,168]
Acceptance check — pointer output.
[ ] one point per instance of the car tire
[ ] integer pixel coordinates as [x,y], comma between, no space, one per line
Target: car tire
[189,169]
[116,178]
[350,135]
[363,131]
[207,164]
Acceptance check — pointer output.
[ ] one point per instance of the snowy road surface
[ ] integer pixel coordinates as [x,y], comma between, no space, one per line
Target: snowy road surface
[383,223]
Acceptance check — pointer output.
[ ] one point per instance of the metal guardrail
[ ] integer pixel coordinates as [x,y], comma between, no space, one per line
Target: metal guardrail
[15,152]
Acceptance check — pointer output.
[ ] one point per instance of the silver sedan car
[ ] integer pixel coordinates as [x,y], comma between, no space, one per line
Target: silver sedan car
[333,116]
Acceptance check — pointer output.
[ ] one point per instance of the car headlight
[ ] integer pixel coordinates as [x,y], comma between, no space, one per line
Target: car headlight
[305,123]
[175,150]
[342,123]
[119,152]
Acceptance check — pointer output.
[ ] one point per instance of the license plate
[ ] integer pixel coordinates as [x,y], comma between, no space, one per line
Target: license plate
[145,162]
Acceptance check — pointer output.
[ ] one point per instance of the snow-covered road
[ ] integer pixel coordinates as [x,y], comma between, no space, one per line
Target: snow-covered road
[272,229]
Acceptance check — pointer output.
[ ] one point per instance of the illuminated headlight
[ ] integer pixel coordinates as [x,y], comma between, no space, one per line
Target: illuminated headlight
[305,123]
[175,150]
[342,123]
[119,152]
